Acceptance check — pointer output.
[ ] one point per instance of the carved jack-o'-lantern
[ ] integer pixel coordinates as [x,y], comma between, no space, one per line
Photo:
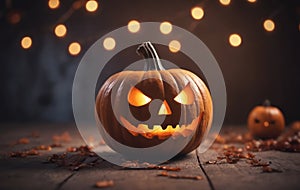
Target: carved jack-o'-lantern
[161,104]
[266,121]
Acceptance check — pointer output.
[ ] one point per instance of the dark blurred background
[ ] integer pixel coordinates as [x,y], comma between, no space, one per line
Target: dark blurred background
[36,83]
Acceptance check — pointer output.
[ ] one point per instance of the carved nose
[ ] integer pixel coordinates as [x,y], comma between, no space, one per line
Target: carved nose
[266,124]
[164,109]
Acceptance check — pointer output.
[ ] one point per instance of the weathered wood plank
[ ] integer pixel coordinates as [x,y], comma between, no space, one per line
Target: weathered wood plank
[242,176]
[31,173]
[141,179]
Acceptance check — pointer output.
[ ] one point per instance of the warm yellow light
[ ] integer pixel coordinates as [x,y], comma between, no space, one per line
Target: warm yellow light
[60,30]
[133,26]
[174,46]
[235,40]
[137,98]
[225,2]
[91,5]
[251,1]
[109,43]
[164,109]
[26,42]
[74,48]
[165,27]
[197,13]
[53,4]
[186,96]
[269,25]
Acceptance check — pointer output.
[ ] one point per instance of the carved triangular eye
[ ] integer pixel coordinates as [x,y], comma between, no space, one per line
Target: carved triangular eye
[186,96]
[137,97]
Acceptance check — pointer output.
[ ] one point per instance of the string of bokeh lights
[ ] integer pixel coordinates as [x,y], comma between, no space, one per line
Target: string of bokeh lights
[197,13]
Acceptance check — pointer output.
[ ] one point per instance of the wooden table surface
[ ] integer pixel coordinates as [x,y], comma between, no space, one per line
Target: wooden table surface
[32,172]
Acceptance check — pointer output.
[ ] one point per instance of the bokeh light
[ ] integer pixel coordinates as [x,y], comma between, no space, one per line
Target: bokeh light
[60,30]
[109,43]
[26,42]
[251,1]
[224,2]
[235,40]
[197,13]
[174,46]
[165,27]
[53,4]
[91,5]
[74,48]
[133,26]
[14,17]
[269,25]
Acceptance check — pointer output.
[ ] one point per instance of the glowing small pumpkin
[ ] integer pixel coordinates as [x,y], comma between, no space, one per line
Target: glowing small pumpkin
[184,103]
[266,121]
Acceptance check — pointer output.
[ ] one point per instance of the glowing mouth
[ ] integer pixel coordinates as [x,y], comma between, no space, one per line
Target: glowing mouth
[145,131]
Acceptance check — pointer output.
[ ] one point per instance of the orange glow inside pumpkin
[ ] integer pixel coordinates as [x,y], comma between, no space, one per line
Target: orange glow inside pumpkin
[137,98]
[145,131]
[186,96]
[165,109]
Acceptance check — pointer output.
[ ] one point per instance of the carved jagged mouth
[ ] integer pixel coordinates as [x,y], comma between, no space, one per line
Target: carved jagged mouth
[157,130]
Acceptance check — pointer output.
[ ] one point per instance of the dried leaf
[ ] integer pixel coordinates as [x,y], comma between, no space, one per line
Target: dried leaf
[44,147]
[268,169]
[56,145]
[32,152]
[167,168]
[72,149]
[23,140]
[211,162]
[176,176]
[104,183]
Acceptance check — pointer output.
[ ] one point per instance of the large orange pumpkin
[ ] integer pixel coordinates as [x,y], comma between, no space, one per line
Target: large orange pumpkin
[266,121]
[178,96]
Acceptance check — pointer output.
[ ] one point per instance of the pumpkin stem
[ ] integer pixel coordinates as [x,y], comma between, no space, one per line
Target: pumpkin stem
[267,103]
[149,53]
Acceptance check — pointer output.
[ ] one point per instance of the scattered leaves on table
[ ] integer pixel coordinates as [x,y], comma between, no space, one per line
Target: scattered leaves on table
[76,158]
[23,154]
[258,163]
[287,142]
[33,151]
[231,155]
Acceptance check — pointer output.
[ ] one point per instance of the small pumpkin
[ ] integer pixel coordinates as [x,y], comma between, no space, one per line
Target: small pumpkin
[266,121]
[184,103]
